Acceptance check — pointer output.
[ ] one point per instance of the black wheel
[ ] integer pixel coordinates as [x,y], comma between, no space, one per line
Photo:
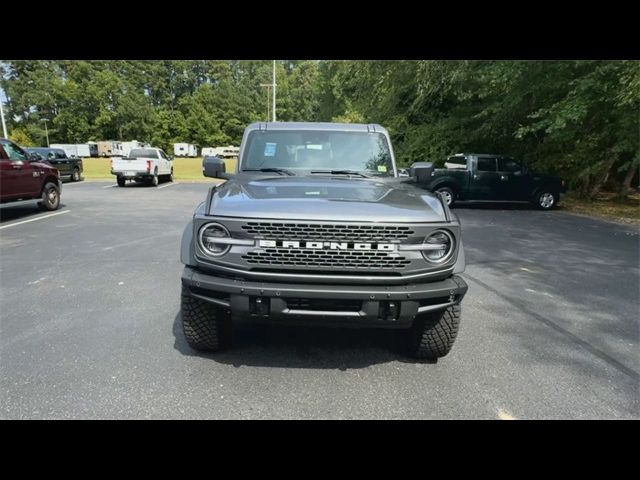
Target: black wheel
[50,197]
[170,176]
[75,176]
[546,200]
[206,327]
[432,336]
[448,195]
[154,180]
[121,181]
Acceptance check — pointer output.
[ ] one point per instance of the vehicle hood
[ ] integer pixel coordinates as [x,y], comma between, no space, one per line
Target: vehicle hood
[325,198]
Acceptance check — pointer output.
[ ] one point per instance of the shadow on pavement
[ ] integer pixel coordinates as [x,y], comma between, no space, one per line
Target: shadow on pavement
[304,347]
[9,213]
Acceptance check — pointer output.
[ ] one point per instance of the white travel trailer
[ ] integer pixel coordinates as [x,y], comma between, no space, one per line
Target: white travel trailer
[221,152]
[76,150]
[228,152]
[83,150]
[185,150]
[70,149]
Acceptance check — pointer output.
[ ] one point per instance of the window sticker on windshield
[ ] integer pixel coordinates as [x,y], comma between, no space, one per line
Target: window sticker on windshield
[382,168]
[269,149]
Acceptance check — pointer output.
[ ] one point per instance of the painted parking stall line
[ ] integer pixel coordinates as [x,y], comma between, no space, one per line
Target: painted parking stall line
[167,185]
[34,219]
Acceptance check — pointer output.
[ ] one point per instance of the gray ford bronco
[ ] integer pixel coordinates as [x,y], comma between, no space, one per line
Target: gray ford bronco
[316,227]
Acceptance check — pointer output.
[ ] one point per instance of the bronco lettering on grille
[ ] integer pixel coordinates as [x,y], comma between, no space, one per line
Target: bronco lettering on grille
[319,245]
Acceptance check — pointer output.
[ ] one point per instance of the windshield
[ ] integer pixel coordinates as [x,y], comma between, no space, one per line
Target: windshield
[305,151]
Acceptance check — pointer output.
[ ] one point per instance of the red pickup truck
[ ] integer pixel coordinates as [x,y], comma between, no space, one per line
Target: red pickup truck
[23,177]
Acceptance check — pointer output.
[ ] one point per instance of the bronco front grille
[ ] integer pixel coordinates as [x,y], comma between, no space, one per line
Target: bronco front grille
[327,232]
[331,259]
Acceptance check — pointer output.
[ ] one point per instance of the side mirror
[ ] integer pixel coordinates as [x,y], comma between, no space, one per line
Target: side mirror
[422,171]
[170,157]
[213,167]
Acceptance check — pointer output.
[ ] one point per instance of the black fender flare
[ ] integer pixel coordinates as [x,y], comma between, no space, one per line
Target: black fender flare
[187,254]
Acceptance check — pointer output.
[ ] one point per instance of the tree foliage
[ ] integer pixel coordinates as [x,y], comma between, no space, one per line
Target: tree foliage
[578,119]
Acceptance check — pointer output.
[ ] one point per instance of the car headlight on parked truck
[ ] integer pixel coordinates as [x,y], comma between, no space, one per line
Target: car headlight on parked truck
[438,246]
[211,239]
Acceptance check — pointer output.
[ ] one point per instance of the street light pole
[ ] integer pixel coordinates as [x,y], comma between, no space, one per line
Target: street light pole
[4,125]
[273,110]
[273,92]
[46,131]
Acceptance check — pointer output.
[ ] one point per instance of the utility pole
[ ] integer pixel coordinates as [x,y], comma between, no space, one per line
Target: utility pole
[273,111]
[273,93]
[46,131]
[4,125]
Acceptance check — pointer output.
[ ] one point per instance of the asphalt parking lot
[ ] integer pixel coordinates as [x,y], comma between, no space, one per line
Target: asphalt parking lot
[90,324]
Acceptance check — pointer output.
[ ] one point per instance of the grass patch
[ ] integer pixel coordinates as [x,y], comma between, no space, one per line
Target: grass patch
[183,168]
[96,168]
[606,206]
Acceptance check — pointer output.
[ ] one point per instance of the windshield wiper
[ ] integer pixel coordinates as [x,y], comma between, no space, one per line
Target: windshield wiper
[270,169]
[342,172]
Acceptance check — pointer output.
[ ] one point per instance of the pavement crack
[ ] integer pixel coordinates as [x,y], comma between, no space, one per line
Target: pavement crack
[571,336]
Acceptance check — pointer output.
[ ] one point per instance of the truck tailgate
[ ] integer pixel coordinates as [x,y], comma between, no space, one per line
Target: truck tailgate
[122,165]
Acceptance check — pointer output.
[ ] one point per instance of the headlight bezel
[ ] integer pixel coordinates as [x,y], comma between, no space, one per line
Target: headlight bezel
[452,247]
[201,244]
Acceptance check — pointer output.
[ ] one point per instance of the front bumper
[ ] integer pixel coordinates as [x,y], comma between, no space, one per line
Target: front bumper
[353,305]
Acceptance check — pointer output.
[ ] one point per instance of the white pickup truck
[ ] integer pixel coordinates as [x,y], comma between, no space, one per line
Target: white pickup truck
[143,165]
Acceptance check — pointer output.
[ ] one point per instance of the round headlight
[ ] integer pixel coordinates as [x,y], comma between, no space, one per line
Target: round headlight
[441,245]
[207,239]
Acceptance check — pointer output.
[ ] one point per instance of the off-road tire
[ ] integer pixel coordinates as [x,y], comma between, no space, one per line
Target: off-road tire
[50,197]
[75,176]
[154,180]
[206,327]
[433,335]
[121,181]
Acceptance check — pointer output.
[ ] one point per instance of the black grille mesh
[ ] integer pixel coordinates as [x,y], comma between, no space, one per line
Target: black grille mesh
[327,232]
[333,259]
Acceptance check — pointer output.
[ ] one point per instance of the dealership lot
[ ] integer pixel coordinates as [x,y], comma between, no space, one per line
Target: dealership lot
[90,324]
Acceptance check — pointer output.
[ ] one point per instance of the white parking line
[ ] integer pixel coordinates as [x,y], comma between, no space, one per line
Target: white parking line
[35,219]
[110,186]
[167,185]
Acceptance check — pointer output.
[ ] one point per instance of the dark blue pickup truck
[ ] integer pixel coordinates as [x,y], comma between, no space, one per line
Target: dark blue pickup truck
[71,167]
[494,178]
